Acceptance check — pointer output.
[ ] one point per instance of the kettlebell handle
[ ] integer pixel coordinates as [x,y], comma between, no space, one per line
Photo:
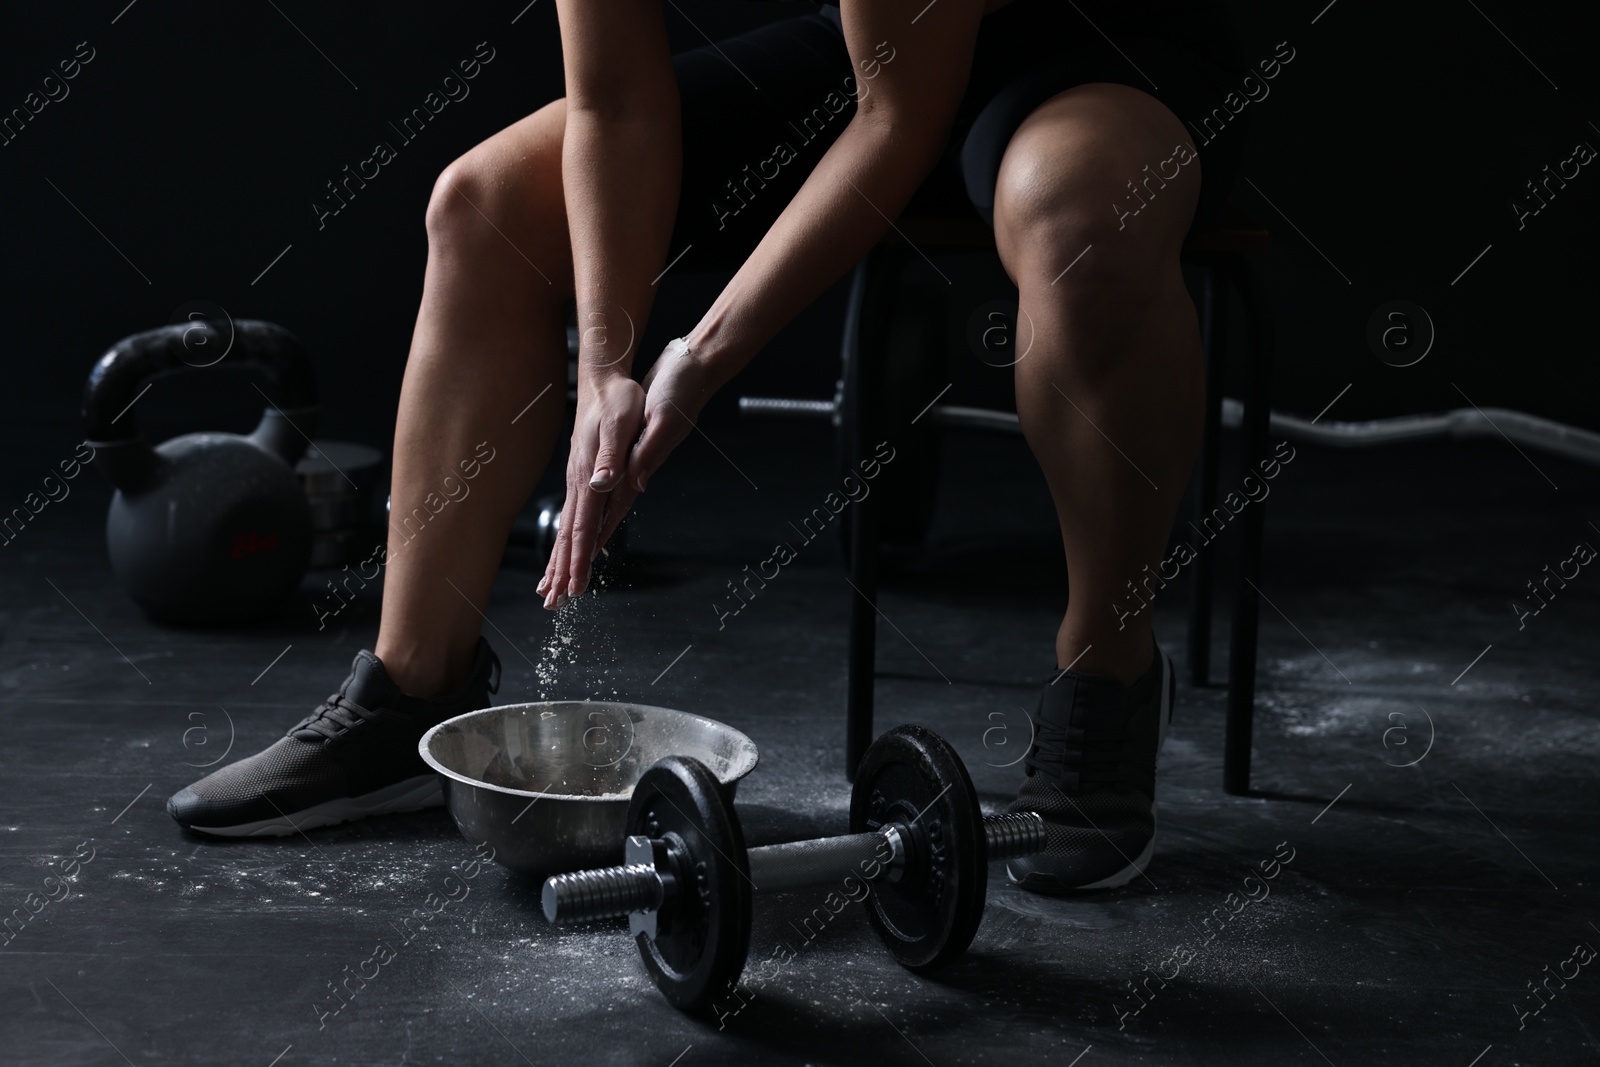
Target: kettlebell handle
[124,371]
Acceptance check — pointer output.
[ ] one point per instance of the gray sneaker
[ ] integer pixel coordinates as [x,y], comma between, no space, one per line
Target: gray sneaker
[354,756]
[1091,772]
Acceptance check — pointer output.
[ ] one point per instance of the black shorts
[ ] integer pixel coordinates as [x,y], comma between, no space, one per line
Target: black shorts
[761,108]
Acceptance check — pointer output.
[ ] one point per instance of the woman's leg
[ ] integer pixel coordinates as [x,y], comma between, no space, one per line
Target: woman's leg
[1110,398]
[490,338]
[1110,394]
[486,385]
[490,334]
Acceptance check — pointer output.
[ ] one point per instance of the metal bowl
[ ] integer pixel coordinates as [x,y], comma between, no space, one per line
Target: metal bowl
[547,785]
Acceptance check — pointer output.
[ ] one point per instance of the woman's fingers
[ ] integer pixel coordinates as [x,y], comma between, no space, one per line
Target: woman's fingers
[608,463]
[655,443]
[618,427]
[547,584]
[618,505]
[580,465]
[611,461]
[585,521]
[665,428]
[555,576]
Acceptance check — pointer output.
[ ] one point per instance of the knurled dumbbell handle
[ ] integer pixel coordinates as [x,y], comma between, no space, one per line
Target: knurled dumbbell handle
[797,864]
[794,864]
[613,892]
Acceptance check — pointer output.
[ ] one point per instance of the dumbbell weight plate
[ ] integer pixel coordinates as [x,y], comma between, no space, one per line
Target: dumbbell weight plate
[928,917]
[701,943]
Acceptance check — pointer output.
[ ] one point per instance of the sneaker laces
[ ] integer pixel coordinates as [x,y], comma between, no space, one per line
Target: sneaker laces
[1057,749]
[335,717]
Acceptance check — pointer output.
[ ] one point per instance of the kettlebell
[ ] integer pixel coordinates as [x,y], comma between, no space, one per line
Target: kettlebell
[206,527]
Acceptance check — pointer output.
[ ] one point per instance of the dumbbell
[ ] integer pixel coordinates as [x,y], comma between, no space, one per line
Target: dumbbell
[686,884]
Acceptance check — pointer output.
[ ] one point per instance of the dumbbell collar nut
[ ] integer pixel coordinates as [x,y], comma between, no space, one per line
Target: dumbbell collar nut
[659,855]
[898,837]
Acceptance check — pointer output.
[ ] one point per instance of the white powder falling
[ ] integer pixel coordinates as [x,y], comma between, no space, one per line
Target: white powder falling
[579,654]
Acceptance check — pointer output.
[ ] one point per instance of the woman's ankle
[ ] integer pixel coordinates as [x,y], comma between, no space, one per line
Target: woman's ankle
[1125,656]
[424,671]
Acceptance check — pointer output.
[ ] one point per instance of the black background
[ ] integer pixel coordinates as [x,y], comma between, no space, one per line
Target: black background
[198,137]
[1424,898]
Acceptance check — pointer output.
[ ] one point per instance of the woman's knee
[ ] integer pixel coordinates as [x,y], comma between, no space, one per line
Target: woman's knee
[457,186]
[1095,193]
[505,191]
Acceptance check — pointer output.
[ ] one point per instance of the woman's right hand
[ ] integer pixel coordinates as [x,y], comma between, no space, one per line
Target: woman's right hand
[622,436]
[609,418]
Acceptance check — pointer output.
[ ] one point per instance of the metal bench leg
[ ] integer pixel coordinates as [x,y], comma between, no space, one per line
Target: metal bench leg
[863,351]
[1213,334]
[1246,604]
[863,631]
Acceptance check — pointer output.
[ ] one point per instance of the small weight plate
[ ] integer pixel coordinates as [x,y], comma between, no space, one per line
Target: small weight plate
[703,936]
[929,916]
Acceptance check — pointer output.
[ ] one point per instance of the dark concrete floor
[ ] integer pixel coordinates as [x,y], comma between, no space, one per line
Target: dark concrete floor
[1418,904]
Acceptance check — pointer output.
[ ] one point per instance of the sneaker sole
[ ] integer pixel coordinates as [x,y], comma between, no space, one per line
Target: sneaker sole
[1169,697]
[413,794]
[1047,883]
[1044,883]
